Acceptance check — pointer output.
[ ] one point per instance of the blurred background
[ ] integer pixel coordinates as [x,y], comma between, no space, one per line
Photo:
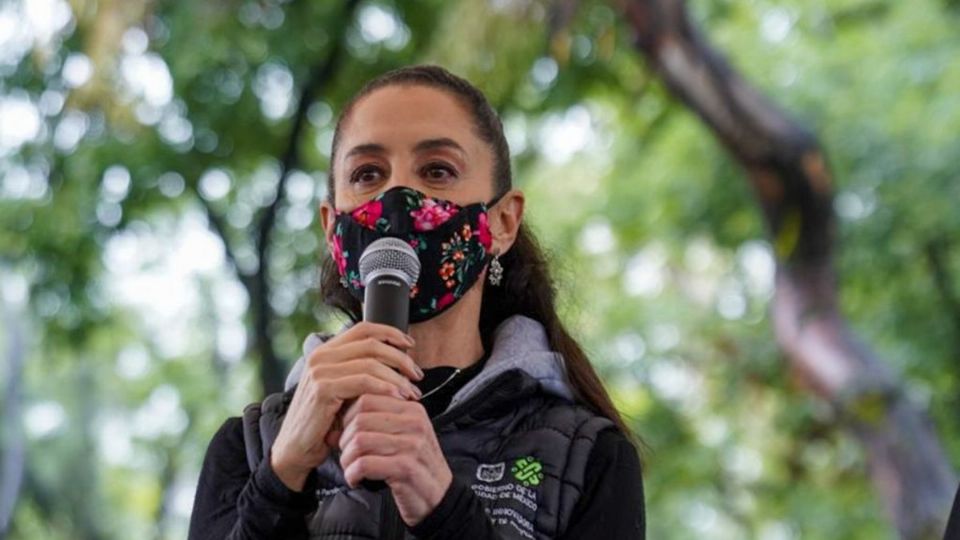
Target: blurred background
[161,164]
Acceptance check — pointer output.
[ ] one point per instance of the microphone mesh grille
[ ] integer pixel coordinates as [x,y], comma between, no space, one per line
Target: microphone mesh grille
[392,253]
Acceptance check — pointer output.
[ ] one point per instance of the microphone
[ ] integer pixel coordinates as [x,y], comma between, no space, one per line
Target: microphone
[388,269]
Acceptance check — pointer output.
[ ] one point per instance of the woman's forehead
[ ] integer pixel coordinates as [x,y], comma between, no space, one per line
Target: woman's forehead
[399,117]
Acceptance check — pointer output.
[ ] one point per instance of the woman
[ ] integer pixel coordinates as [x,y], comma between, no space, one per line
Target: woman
[487,420]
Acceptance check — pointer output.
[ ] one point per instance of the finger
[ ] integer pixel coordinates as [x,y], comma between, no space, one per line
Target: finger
[371,348]
[369,366]
[379,369]
[382,403]
[380,332]
[354,386]
[379,422]
[376,444]
[374,467]
[332,438]
[390,356]
[334,432]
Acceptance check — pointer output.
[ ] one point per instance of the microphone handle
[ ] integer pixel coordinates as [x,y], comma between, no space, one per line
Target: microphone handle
[386,300]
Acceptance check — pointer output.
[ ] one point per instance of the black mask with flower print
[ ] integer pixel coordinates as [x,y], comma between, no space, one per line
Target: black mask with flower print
[451,241]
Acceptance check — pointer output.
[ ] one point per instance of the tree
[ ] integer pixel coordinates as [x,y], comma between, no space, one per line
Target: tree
[793,184]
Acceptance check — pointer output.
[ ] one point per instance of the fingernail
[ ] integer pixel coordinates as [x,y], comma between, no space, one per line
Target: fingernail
[417,393]
[419,371]
[410,339]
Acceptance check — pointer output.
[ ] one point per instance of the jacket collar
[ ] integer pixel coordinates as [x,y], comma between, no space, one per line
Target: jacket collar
[520,344]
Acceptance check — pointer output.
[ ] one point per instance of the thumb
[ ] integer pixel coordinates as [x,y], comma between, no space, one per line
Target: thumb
[332,439]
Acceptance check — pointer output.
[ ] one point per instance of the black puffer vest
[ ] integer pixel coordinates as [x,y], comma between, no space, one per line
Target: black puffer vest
[513,434]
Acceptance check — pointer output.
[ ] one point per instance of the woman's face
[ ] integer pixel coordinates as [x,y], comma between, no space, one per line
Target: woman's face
[422,138]
[412,136]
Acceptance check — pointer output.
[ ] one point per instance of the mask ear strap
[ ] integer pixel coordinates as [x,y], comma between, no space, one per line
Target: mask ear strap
[495,200]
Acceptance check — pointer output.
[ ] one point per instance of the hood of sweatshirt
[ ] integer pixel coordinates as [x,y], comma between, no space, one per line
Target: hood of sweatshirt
[520,345]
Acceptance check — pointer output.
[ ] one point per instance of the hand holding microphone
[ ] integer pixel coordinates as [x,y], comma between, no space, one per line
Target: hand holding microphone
[362,360]
[369,358]
[384,436]
[388,441]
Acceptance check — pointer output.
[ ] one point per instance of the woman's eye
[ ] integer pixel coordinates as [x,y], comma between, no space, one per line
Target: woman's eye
[366,174]
[438,171]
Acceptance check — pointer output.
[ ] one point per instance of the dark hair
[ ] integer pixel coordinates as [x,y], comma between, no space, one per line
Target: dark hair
[527,288]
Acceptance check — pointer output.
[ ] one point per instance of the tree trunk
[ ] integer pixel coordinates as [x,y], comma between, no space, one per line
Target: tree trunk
[271,369]
[12,444]
[793,186]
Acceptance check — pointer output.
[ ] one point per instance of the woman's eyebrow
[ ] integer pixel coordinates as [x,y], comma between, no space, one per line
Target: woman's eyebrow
[367,148]
[422,146]
[442,142]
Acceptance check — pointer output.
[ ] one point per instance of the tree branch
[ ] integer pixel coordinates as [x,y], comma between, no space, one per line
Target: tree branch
[271,371]
[219,226]
[560,15]
[793,185]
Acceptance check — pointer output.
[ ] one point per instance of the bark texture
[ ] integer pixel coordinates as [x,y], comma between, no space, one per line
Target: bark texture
[792,182]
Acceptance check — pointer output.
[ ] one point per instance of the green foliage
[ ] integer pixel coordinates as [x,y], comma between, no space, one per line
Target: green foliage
[139,325]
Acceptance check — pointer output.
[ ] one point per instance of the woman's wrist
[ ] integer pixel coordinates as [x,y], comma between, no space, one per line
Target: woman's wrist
[458,514]
[292,476]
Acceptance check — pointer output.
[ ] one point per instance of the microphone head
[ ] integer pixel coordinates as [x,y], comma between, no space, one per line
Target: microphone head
[391,255]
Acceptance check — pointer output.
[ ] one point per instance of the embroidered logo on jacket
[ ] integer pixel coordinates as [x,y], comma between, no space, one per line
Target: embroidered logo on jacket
[510,500]
[528,470]
[490,472]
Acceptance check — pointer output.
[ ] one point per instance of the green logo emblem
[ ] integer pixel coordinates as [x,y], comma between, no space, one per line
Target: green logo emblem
[528,470]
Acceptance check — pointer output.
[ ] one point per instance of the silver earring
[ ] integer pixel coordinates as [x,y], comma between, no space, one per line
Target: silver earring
[343,282]
[496,271]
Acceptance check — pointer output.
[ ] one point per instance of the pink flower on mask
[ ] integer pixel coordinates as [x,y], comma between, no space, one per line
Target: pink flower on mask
[483,231]
[368,214]
[336,250]
[445,301]
[432,214]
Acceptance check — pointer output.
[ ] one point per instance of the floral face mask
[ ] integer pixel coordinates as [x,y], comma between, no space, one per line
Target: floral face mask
[451,241]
